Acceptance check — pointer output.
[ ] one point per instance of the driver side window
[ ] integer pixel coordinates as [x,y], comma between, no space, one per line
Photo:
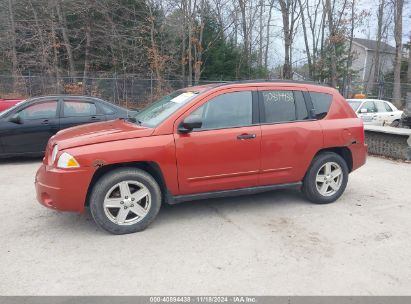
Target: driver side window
[40,110]
[227,110]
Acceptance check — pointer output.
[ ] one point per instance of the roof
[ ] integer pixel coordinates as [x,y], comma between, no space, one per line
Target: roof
[63,96]
[206,87]
[372,45]
[308,85]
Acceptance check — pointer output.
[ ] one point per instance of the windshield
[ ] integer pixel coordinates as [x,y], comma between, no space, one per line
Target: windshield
[5,112]
[354,104]
[157,112]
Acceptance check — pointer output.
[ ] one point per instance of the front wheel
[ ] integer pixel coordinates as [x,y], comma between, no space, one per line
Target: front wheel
[125,200]
[326,178]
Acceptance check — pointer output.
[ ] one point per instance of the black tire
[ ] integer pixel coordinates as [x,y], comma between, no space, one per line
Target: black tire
[109,180]
[395,124]
[310,184]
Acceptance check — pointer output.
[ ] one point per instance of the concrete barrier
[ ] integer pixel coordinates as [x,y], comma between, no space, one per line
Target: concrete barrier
[388,141]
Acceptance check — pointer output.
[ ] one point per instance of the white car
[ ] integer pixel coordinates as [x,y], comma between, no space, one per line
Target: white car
[376,112]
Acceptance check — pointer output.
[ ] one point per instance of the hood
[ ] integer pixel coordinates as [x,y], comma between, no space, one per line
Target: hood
[100,132]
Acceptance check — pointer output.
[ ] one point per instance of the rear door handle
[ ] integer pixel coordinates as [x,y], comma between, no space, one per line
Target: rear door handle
[95,118]
[246,136]
[45,122]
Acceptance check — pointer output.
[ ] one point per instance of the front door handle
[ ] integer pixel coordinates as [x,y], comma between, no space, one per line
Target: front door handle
[95,118]
[246,136]
[45,122]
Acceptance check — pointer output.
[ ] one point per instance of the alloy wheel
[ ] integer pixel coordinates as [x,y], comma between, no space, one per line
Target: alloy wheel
[127,202]
[329,179]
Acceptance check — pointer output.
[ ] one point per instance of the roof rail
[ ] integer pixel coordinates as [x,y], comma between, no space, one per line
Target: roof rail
[274,81]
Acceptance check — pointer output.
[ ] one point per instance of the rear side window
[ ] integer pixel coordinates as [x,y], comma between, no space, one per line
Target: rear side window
[106,109]
[321,103]
[79,108]
[380,106]
[387,107]
[282,106]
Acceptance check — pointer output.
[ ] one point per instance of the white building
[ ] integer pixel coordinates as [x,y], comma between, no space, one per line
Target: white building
[364,59]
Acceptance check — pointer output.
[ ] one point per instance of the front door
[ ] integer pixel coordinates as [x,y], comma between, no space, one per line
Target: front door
[224,153]
[368,112]
[36,124]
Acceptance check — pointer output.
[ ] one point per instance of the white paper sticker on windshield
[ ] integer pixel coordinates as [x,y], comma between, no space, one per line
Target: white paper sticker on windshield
[182,97]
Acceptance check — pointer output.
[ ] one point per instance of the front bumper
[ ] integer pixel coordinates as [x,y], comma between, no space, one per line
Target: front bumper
[62,189]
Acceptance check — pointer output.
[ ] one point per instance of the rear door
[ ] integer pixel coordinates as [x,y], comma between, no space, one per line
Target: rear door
[38,122]
[79,111]
[224,153]
[290,137]
[383,116]
[109,112]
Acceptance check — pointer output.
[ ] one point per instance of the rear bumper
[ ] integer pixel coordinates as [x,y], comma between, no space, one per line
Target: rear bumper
[64,190]
[359,154]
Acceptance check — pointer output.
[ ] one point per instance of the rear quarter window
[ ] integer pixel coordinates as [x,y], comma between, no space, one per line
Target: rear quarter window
[106,109]
[321,103]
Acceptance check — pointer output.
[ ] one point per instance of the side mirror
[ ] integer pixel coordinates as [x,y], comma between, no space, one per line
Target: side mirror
[16,119]
[190,123]
[363,110]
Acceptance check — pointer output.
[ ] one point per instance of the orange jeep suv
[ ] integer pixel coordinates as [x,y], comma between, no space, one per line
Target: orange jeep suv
[204,142]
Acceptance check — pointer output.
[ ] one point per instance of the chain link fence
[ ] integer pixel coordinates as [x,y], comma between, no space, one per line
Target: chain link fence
[130,91]
[135,91]
[380,90]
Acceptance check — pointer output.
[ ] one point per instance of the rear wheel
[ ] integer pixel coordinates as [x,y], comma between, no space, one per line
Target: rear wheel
[395,124]
[326,178]
[125,200]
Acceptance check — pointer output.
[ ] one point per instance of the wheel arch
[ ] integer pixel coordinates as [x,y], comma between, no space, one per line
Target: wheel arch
[344,152]
[148,166]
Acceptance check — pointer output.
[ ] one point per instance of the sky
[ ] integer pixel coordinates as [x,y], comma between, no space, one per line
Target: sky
[368,31]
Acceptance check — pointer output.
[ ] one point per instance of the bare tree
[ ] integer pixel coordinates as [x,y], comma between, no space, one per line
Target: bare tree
[198,45]
[380,20]
[347,76]
[307,46]
[409,62]
[14,62]
[398,7]
[54,43]
[260,33]
[333,55]
[290,15]
[246,35]
[267,45]
[66,39]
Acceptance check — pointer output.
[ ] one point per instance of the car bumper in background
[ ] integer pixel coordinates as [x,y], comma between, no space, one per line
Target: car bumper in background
[64,190]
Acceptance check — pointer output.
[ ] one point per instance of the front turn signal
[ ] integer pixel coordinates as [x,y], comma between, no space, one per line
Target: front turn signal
[67,161]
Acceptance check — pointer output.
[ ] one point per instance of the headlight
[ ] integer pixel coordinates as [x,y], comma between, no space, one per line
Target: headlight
[67,161]
[54,153]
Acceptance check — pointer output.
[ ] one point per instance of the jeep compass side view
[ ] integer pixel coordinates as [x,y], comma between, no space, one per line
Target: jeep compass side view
[204,142]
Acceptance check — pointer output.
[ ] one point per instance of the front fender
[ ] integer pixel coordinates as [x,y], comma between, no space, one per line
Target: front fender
[158,149]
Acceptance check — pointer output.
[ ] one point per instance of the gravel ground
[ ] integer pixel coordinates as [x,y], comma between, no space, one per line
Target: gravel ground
[266,244]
